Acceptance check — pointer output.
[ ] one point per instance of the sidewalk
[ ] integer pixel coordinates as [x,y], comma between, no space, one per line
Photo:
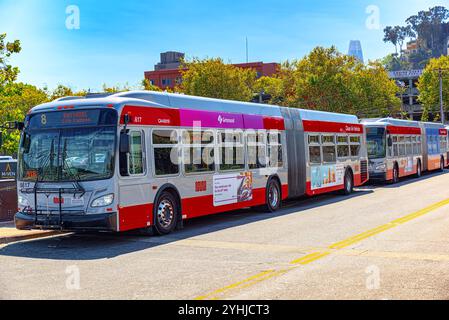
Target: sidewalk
[8,233]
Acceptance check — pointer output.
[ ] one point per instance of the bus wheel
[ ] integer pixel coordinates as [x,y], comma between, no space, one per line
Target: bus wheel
[165,214]
[273,196]
[348,183]
[419,170]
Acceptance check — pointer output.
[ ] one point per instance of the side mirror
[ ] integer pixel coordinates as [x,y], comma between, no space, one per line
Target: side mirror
[390,142]
[124,142]
[19,125]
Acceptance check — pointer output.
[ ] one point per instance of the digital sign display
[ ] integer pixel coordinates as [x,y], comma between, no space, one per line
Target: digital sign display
[73,118]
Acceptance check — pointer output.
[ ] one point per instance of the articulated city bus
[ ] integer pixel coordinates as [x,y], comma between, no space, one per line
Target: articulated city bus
[400,148]
[147,160]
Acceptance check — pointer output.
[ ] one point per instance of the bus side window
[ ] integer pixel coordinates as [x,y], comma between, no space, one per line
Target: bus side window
[275,149]
[314,149]
[136,163]
[165,152]
[257,149]
[231,150]
[329,154]
[356,143]
[343,146]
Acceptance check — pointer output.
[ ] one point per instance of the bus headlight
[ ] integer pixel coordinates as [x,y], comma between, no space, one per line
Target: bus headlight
[381,167]
[23,202]
[103,201]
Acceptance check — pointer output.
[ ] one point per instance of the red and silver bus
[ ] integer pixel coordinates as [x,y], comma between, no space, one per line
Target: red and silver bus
[400,148]
[148,160]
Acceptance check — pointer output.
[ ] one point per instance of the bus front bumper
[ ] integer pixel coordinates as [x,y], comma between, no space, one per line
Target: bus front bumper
[95,222]
[378,176]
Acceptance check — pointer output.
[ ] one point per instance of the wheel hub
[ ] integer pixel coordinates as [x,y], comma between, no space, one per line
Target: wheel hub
[165,213]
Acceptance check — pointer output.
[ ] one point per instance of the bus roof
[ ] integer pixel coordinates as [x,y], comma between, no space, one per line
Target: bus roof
[390,122]
[181,101]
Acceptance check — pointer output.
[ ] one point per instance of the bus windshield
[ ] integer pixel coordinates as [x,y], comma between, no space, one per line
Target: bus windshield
[376,143]
[67,154]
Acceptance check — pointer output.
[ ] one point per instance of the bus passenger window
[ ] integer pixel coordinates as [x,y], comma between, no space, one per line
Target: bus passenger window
[232,155]
[315,154]
[136,158]
[257,150]
[165,151]
[355,146]
[198,151]
[329,155]
[275,150]
[343,147]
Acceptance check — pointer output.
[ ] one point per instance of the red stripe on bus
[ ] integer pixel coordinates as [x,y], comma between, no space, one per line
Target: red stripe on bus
[403,130]
[135,217]
[273,123]
[332,127]
[151,116]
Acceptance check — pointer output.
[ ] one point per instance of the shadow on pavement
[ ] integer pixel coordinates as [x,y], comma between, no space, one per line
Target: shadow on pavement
[94,246]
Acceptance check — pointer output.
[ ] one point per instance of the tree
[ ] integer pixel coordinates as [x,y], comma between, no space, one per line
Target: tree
[148,86]
[16,99]
[429,85]
[214,79]
[392,35]
[8,73]
[393,63]
[62,91]
[271,86]
[327,80]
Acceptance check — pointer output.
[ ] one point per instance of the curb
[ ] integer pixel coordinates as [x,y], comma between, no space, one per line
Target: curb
[42,234]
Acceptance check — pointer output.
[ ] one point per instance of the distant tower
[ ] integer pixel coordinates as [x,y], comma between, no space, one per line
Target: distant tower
[355,50]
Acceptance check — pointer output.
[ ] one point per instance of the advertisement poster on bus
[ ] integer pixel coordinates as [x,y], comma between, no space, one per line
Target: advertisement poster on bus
[8,170]
[327,176]
[233,188]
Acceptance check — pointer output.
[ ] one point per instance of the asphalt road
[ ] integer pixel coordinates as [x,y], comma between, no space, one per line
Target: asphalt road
[384,242]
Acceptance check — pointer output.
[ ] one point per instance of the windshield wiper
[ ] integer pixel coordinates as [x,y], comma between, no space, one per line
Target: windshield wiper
[69,169]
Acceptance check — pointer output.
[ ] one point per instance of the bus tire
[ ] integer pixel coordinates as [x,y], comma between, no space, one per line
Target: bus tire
[395,174]
[419,170]
[273,196]
[165,213]
[348,186]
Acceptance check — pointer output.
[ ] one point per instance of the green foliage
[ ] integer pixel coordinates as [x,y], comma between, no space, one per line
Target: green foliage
[148,86]
[327,80]
[16,99]
[8,73]
[271,86]
[64,91]
[429,85]
[214,79]
[430,29]
[394,63]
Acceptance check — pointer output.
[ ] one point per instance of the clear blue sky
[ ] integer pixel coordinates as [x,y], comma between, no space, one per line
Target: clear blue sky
[119,40]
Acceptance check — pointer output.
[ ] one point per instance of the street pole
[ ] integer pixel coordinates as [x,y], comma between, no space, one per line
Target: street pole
[440,73]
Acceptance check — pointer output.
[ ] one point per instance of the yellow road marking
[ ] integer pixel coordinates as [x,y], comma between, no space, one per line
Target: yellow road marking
[321,254]
[257,278]
[311,258]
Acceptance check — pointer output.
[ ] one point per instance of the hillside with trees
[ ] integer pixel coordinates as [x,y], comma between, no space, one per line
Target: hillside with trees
[426,33]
